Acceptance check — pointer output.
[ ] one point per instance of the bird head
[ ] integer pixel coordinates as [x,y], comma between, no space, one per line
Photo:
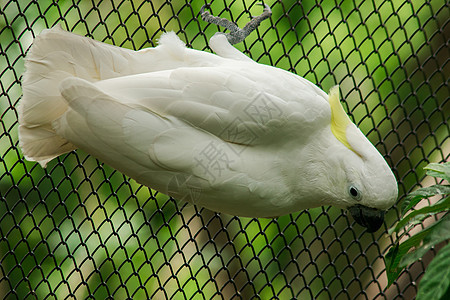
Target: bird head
[366,185]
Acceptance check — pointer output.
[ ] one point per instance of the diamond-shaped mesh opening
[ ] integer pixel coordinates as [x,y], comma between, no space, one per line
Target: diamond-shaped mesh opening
[80,229]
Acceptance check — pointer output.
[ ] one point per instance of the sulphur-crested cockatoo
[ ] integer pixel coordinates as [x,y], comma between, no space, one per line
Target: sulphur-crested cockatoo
[218,130]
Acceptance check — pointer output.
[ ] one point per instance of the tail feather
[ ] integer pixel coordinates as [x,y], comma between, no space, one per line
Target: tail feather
[54,56]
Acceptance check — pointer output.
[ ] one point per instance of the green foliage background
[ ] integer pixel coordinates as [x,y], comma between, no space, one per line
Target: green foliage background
[80,228]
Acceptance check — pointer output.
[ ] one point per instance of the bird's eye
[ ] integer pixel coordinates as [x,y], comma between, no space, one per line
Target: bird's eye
[353,191]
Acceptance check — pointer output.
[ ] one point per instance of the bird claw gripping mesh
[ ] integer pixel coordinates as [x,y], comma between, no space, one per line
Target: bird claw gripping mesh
[236,34]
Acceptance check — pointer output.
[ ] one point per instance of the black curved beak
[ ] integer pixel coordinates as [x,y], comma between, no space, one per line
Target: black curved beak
[368,217]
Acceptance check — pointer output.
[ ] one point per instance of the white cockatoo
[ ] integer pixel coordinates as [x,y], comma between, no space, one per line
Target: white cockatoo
[217,130]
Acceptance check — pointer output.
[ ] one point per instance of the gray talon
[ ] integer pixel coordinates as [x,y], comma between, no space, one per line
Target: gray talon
[236,34]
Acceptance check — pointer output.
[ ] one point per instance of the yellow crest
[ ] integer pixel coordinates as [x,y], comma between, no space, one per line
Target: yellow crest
[339,119]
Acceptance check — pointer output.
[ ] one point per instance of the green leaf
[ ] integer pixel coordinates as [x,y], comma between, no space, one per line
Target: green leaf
[392,260]
[396,253]
[439,170]
[412,249]
[415,197]
[437,207]
[436,281]
[399,255]
[436,233]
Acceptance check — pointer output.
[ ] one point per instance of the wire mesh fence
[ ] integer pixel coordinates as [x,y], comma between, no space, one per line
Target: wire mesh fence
[79,229]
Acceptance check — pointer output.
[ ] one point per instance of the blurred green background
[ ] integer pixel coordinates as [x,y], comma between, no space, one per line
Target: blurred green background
[80,229]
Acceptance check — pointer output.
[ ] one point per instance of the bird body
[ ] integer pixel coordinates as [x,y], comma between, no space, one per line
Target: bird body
[217,130]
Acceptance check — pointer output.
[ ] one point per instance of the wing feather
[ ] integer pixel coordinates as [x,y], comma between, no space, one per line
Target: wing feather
[222,101]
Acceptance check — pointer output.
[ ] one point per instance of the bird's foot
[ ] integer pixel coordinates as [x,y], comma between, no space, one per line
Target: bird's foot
[236,34]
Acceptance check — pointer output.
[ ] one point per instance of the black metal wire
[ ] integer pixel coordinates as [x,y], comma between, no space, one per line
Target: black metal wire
[80,229]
